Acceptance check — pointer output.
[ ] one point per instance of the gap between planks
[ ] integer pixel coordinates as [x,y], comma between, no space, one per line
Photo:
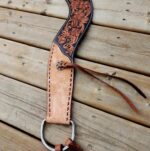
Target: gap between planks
[124,14]
[15,140]
[24,106]
[125,50]
[29,64]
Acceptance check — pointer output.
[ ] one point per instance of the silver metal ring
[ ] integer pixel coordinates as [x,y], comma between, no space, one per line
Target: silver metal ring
[43,139]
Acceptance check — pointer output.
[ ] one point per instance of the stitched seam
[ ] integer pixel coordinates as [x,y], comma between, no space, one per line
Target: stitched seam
[69,96]
[49,93]
[49,72]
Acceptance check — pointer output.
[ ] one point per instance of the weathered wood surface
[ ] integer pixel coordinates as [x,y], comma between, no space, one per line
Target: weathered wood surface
[22,95]
[109,46]
[124,14]
[13,140]
[29,64]
[24,106]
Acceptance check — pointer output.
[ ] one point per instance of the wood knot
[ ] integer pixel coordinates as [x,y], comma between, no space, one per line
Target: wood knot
[148,17]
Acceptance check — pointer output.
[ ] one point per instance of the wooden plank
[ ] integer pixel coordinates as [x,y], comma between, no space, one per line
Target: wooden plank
[11,139]
[24,107]
[117,48]
[29,64]
[124,14]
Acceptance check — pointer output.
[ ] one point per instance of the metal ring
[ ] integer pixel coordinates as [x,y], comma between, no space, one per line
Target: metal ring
[43,139]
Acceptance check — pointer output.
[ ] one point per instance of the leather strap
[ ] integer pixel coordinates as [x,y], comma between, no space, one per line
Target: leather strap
[73,146]
[60,82]
[58,147]
[60,85]
[95,75]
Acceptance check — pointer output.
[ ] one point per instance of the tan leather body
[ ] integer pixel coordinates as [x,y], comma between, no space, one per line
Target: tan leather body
[60,86]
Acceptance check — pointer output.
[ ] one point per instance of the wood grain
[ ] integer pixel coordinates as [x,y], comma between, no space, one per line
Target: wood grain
[126,50]
[14,140]
[125,14]
[29,64]
[23,106]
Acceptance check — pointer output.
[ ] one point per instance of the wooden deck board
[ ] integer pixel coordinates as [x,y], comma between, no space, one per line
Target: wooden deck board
[29,64]
[24,106]
[126,50]
[25,39]
[13,140]
[125,14]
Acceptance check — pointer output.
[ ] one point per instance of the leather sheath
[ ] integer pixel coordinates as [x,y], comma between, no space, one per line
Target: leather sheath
[60,82]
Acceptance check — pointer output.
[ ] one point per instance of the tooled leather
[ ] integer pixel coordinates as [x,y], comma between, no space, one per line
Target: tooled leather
[73,30]
[79,17]
[60,83]
[60,86]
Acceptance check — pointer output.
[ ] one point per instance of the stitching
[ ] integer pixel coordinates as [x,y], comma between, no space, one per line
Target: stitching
[69,96]
[69,93]
[49,72]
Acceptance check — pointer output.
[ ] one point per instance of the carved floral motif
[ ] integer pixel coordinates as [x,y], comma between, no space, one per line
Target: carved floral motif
[80,11]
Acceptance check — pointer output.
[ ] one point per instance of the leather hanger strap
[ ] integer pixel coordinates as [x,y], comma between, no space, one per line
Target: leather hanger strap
[58,147]
[60,82]
[60,85]
[94,74]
